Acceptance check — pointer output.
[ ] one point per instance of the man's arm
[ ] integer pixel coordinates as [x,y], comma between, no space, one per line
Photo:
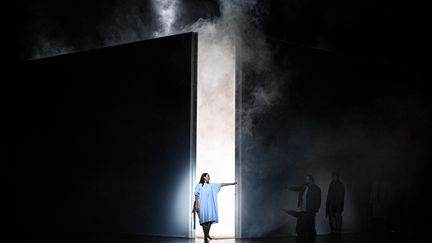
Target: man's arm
[294,188]
[343,197]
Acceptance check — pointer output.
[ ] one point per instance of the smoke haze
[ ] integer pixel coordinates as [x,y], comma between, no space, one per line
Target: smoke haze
[302,110]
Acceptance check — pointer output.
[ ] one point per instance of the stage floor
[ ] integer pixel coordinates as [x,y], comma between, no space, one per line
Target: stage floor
[346,238]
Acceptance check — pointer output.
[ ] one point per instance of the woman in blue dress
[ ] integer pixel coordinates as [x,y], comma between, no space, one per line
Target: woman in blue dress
[206,203]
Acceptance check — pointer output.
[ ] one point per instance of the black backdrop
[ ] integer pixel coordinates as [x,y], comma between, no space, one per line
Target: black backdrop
[367,118]
[103,141]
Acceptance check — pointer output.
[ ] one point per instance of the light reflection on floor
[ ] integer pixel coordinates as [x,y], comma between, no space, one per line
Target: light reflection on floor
[349,238]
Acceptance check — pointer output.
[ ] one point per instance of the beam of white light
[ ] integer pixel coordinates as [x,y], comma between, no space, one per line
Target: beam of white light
[215,142]
[166,9]
[216,121]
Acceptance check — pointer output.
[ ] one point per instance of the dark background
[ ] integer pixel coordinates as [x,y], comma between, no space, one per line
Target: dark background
[102,141]
[356,98]
[369,120]
[352,95]
[381,29]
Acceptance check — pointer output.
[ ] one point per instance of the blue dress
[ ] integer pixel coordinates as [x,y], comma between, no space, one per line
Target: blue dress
[207,202]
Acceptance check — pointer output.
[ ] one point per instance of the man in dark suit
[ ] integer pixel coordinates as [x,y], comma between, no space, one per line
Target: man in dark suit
[335,203]
[309,202]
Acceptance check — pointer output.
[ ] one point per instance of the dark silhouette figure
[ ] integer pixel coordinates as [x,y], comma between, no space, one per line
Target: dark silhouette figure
[309,202]
[335,204]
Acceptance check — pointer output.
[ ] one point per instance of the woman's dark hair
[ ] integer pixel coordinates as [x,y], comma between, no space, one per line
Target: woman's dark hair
[202,180]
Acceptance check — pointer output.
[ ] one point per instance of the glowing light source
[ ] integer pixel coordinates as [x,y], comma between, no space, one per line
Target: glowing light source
[216,108]
[216,122]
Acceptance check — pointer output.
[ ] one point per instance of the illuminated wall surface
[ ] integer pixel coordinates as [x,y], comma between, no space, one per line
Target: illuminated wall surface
[364,118]
[216,125]
[103,141]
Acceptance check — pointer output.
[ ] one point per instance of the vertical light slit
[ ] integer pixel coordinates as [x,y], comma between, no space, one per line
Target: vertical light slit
[216,125]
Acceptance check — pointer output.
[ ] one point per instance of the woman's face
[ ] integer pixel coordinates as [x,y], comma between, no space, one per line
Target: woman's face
[207,178]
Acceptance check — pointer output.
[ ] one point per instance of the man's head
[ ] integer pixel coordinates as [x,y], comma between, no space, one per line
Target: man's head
[309,179]
[335,175]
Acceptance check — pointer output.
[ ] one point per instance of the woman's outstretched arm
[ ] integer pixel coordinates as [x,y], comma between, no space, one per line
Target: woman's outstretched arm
[228,184]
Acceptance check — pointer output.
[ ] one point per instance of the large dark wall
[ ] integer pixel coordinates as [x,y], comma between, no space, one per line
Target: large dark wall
[102,141]
[367,119]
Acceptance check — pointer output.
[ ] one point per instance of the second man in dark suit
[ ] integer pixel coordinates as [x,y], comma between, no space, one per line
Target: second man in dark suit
[335,203]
